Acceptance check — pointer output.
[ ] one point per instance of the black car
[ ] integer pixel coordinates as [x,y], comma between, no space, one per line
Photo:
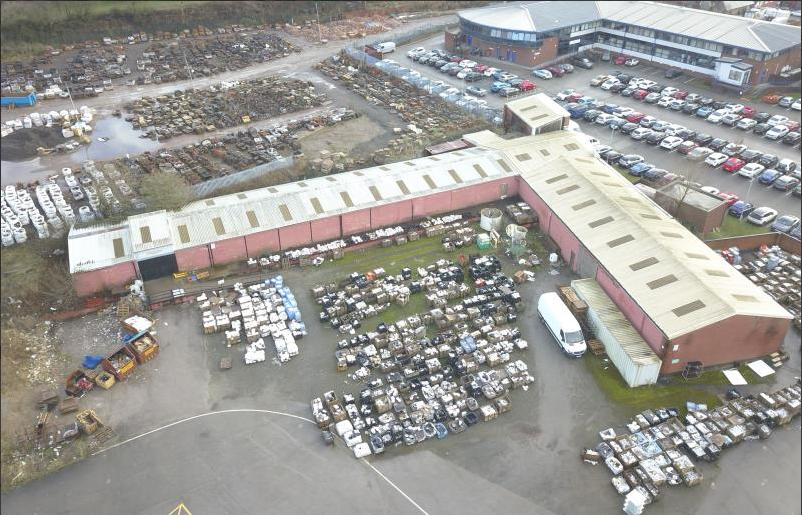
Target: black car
[761,117]
[750,156]
[690,108]
[768,160]
[655,174]
[703,139]
[655,138]
[628,127]
[718,104]
[592,115]
[672,73]
[612,157]
[686,134]
[717,144]
[516,82]
[630,160]
[627,92]
[625,78]
[583,62]
[706,101]
[657,88]
[440,63]
[792,138]
[761,128]
[473,77]
[618,88]
[602,151]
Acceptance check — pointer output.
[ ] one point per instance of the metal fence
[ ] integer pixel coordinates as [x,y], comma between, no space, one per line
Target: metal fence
[476,107]
[215,184]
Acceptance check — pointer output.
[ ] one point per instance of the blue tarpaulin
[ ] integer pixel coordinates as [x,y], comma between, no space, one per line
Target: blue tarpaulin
[91,362]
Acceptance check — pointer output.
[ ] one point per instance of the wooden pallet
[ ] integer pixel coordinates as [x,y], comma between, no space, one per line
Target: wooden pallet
[596,347]
[123,310]
[102,436]
[575,304]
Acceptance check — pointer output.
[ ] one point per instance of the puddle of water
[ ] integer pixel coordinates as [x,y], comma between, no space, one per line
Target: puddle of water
[12,172]
[123,139]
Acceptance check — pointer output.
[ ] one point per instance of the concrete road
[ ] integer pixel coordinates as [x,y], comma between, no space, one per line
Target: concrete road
[242,462]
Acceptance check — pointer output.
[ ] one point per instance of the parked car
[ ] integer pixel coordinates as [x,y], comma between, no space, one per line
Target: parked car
[476,91]
[665,101]
[718,144]
[732,165]
[671,143]
[647,121]
[621,59]
[591,115]
[730,119]
[769,176]
[704,112]
[672,73]
[777,119]
[716,159]
[768,160]
[677,105]
[612,157]
[733,149]
[717,116]
[686,146]
[740,209]
[787,166]
[616,123]
[710,190]
[511,92]
[628,127]
[792,138]
[609,83]
[761,129]
[467,63]
[526,85]
[542,74]
[498,86]
[640,133]
[786,183]
[728,198]
[627,91]
[761,216]
[699,154]
[631,62]
[786,102]
[745,124]
[563,95]
[655,138]
[796,106]
[792,125]
[655,174]
[639,94]
[796,233]
[635,117]
[473,77]
[703,139]
[669,91]
[583,62]
[639,169]
[785,224]
[690,108]
[748,112]
[555,71]
[630,160]
[751,170]
[567,68]
[603,119]
[686,134]
[750,156]
[777,132]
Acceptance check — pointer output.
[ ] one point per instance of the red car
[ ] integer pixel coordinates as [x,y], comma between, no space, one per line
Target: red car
[574,97]
[457,59]
[481,68]
[621,59]
[556,71]
[635,117]
[771,99]
[792,125]
[526,86]
[733,164]
[640,94]
[729,198]
[680,95]
[748,112]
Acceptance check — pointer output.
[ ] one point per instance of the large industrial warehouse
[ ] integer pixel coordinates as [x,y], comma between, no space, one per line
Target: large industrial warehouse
[733,50]
[686,303]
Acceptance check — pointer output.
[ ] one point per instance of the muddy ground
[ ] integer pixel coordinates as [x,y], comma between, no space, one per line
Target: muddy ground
[21,145]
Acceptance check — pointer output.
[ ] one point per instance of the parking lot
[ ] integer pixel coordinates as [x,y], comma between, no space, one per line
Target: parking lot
[579,80]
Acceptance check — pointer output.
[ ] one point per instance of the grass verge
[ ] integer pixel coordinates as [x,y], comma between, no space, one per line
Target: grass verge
[733,227]
[645,397]
[18,468]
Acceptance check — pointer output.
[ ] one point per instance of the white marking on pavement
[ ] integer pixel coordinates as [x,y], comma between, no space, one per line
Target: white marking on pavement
[408,498]
[200,416]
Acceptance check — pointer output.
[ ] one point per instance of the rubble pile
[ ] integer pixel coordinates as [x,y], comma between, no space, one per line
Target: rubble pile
[662,449]
[426,387]
[227,105]
[261,310]
[350,28]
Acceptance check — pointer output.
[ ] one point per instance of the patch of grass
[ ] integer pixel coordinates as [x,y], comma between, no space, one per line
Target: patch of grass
[733,227]
[18,468]
[645,397]
[717,378]
[627,176]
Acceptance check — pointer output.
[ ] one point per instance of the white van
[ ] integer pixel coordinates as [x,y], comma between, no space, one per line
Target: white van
[385,48]
[562,324]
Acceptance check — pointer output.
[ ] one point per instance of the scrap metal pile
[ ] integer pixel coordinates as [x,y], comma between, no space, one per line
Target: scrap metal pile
[228,105]
[661,449]
[170,61]
[428,387]
[416,107]
[351,28]
[234,152]
[262,310]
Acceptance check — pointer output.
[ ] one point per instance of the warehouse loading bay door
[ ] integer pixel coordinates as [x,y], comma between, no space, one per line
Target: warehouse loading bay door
[158,267]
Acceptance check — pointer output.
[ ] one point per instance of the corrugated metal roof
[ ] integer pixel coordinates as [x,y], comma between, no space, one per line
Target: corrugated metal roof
[149,231]
[636,230]
[537,110]
[614,320]
[93,247]
[710,26]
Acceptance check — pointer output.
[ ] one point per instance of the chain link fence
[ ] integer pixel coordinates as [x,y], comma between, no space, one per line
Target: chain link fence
[474,106]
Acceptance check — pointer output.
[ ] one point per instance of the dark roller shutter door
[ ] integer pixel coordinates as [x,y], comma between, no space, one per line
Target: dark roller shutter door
[158,267]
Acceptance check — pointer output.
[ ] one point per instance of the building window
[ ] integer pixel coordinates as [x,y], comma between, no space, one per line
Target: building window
[736,76]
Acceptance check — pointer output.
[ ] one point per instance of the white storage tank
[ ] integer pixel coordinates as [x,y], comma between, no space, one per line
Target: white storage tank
[490,219]
[635,360]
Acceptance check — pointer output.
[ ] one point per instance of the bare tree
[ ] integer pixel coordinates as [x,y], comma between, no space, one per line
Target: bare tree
[165,191]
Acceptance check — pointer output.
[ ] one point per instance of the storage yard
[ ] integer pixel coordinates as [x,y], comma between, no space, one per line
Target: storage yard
[378,292]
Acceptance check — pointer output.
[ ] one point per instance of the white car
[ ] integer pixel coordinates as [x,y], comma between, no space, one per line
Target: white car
[416,51]
[761,216]
[674,128]
[463,73]
[542,74]
[645,83]
[717,116]
[777,119]
[734,108]
[668,92]
[450,91]
[490,71]
[716,159]
[562,95]
[608,84]
[467,63]
[603,119]
[746,123]
[665,101]
[751,170]
[671,142]
[623,112]
[677,105]
[631,62]
[710,190]
[777,132]
[640,133]
[796,106]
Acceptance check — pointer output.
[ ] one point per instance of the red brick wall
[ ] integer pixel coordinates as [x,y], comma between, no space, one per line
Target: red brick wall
[262,243]
[228,251]
[295,236]
[195,258]
[326,229]
[391,214]
[525,56]
[737,338]
[87,283]
[773,66]
[356,222]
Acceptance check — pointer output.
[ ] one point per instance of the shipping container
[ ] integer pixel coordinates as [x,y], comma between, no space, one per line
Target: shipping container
[635,360]
[124,359]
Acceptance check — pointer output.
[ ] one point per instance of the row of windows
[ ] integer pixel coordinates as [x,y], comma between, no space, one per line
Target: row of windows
[481,30]
[672,54]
